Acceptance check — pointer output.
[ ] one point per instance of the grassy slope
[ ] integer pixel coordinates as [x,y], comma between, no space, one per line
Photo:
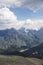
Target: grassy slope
[18,60]
[36,61]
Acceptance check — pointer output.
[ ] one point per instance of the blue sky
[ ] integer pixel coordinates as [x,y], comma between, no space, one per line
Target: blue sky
[25,13]
[21,13]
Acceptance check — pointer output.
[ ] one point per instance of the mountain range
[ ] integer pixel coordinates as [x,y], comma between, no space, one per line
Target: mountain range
[20,40]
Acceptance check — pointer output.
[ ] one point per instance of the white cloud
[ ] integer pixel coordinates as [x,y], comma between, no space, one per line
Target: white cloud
[32,4]
[8,19]
[33,24]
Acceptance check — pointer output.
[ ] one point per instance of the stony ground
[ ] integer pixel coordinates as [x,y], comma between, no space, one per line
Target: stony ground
[18,60]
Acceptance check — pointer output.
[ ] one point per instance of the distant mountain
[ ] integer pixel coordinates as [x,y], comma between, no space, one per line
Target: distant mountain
[12,38]
[22,30]
[39,34]
[20,42]
[20,39]
[35,34]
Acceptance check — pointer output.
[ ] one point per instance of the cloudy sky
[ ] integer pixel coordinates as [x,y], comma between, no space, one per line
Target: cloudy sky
[21,13]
